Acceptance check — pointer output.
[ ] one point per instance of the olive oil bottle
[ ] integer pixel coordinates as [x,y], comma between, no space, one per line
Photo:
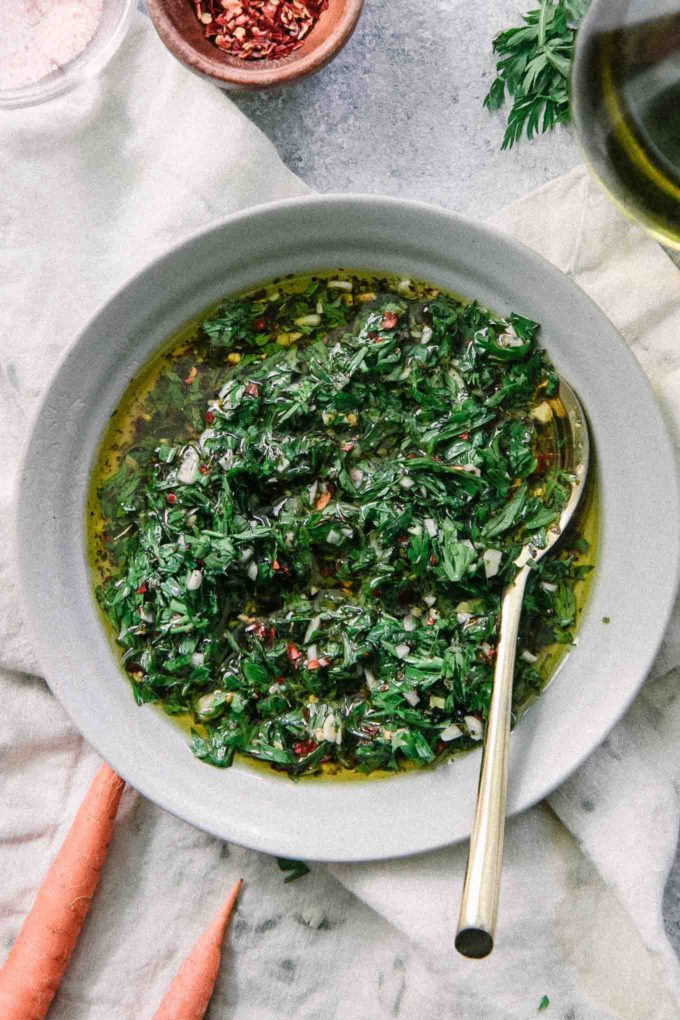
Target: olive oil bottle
[626,103]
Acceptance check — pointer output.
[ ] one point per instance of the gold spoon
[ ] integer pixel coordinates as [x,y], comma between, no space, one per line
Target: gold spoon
[479,906]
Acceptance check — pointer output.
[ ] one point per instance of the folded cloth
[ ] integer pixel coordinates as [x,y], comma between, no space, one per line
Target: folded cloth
[94,185]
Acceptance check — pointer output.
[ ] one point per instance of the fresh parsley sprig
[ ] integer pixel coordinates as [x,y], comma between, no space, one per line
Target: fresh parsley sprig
[534,68]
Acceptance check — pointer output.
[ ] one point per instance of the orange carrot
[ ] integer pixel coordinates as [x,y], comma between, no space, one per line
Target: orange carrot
[37,961]
[188,996]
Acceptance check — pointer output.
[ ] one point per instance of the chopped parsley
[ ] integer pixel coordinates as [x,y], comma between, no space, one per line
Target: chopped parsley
[304,541]
[292,869]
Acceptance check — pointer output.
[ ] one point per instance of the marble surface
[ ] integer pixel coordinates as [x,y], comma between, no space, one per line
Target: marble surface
[400,112]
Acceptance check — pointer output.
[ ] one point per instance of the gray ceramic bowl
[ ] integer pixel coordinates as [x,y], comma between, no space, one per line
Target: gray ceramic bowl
[635,580]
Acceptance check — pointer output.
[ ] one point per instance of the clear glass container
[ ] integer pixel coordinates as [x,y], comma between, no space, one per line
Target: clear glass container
[626,106]
[110,32]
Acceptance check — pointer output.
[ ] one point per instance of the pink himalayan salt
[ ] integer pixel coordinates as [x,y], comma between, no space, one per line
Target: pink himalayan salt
[38,37]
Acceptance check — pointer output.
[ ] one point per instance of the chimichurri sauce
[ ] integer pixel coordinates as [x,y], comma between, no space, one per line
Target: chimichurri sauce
[306,510]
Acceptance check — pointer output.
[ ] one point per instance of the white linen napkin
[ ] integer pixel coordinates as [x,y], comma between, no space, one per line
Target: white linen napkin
[93,186]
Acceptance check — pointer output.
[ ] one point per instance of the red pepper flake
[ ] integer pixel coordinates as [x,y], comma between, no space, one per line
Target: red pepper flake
[265,633]
[431,621]
[323,501]
[193,372]
[304,747]
[347,447]
[143,589]
[210,417]
[259,29]
[433,560]
[260,325]
[252,389]
[389,320]
[412,456]
[172,498]
[318,663]
[276,565]
[294,654]
[464,435]
[204,469]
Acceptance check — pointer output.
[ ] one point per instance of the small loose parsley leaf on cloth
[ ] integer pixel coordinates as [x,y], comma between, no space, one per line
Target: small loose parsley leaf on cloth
[292,869]
[534,69]
[309,531]
[543,1004]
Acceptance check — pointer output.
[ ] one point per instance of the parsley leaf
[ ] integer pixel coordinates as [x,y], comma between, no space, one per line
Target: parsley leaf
[534,69]
[292,869]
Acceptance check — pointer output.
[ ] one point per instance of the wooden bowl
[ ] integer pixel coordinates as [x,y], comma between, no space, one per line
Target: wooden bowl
[179,28]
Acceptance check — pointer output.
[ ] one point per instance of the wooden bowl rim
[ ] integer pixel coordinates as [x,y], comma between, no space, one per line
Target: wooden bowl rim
[258,74]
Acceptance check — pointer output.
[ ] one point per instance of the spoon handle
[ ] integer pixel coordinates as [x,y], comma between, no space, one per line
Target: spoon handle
[479,905]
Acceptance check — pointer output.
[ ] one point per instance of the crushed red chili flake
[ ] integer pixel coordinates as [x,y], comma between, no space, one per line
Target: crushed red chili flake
[487,656]
[143,589]
[210,417]
[304,747]
[323,501]
[259,29]
[260,325]
[294,653]
[265,633]
[370,730]
[172,498]
[318,663]
[389,320]
[204,469]
[252,389]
